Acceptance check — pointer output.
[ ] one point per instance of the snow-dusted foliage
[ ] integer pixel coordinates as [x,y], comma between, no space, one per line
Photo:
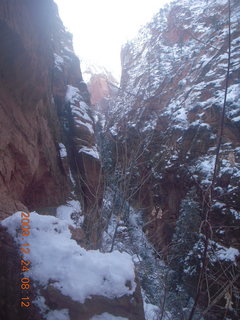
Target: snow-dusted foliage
[124,232]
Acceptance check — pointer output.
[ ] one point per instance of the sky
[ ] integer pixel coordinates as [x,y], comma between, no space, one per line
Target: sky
[101,27]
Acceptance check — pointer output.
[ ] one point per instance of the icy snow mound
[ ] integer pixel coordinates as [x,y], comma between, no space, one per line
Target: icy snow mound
[74,271]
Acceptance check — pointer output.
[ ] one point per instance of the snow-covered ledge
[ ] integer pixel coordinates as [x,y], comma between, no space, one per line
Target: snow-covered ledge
[74,271]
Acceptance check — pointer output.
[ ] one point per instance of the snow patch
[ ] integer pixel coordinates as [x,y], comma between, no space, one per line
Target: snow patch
[87,125]
[151,311]
[63,151]
[68,50]
[236,119]
[223,253]
[58,315]
[205,166]
[233,94]
[58,62]
[88,272]
[71,178]
[72,94]
[235,213]
[181,115]
[228,254]
[66,212]
[90,151]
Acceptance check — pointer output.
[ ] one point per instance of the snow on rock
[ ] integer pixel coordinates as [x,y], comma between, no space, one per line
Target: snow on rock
[223,253]
[151,311]
[107,316]
[48,314]
[58,62]
[62,150]
[149,126]
[170,73]
[181,114]
[236,119]
[228,254]
[233,94]
[66,212]
[204,167]
[235,213]
[90,151]
[79,108]
[87,125]
[72,94]
[81,111]
[58,315]
[71,177]
[88,272]
[68,50]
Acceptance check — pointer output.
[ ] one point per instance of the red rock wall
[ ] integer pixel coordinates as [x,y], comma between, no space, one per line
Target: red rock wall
[99,88]
[177,64]
[33,121]
[168,114]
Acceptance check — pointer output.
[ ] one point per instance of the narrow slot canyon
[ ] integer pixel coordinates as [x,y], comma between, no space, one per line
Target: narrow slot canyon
[119,189]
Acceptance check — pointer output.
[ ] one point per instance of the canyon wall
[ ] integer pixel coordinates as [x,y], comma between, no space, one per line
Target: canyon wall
[164,130]
[47,144]
[48,160]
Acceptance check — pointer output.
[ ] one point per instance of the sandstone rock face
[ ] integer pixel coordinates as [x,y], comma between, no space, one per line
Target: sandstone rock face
[178,103]
[168,114]
[30,165]
[130,307]
[183,94]
[47,149]
[45,121]
[98,88]
[102,87]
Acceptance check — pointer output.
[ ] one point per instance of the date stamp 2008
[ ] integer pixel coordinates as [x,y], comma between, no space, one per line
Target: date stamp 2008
[25,263]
